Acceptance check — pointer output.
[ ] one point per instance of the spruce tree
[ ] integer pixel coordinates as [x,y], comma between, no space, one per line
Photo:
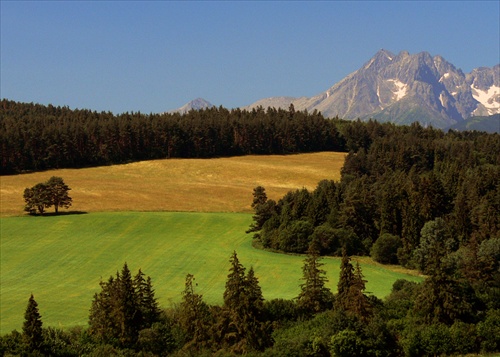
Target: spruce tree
[351,286]
[314,295]
[359,304]
[146,300]
[194,316]
[102,325]
[263,208]
[32,327]
[243,304]
[127,311]
[258,331]
[235,285]
[122,308]
[346,279]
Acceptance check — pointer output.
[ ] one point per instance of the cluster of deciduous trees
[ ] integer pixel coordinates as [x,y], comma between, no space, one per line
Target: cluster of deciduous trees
[37,137]
[44,195]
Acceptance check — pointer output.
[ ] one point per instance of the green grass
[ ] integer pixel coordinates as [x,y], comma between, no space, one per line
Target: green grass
[61,259]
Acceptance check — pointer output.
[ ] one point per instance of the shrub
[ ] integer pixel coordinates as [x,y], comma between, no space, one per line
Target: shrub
[385,249]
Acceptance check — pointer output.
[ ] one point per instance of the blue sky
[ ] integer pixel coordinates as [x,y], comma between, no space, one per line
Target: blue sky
[156,56]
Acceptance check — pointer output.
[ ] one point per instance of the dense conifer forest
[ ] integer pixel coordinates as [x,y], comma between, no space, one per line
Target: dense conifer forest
[36,137]
[408,195]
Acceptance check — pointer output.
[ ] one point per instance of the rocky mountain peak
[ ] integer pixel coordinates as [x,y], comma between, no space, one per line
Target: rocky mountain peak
[403,89]
[195,104]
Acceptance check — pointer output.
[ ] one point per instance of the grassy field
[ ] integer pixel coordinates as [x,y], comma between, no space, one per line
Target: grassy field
[193,185]
[61,259]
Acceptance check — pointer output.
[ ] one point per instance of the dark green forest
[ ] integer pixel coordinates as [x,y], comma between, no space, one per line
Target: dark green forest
[419,197]
[34,137]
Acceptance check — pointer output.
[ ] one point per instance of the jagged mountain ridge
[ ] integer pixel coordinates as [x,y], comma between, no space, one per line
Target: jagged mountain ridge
[405,88]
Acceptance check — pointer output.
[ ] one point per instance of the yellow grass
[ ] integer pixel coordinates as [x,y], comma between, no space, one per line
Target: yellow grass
[201,185]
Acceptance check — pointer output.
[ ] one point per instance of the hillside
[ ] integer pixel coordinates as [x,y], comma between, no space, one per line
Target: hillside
[215,185]
[489,124]
[165,245]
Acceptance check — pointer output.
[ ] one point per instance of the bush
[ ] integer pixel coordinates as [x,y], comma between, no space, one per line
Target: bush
[347,343]
[488,332]
[385,249]
[280,310]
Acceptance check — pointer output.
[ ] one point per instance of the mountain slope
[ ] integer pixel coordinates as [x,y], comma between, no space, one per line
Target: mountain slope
[489,124]
[405,88]
[196,104]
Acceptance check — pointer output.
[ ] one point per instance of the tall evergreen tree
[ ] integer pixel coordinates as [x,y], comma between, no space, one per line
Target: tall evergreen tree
[243,304]
[101,324]
[235,285]
[358,302]
[194,316]
[258,330]
[263,208]
[346,279]
[127,311]
[146,299]
[32,327]
[122,308]
[314,295]
[351,286]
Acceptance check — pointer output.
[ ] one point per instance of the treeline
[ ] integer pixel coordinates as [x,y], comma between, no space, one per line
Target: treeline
[396,183]
[37,137]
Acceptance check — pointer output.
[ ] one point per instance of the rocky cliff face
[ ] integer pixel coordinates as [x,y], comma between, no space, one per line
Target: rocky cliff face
[405,88]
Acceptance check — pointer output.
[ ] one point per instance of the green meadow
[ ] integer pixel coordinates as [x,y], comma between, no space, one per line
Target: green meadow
[62,259]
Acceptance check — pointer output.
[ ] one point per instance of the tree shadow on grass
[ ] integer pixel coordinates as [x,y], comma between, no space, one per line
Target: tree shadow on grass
[53,214]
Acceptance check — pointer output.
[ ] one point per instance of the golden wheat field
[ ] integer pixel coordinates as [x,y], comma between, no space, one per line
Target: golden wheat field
[198,185]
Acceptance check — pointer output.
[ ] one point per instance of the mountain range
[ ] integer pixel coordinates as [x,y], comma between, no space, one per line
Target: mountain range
[402,89]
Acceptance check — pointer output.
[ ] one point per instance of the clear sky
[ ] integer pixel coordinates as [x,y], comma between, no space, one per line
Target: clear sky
[158,55]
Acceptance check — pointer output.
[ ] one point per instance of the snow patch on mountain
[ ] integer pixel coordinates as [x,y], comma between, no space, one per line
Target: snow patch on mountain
[489,98]
[444,76]
[401,90]
[442,98]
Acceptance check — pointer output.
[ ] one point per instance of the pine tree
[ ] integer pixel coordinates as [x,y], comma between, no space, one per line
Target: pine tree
[32,327]
[235,285]
[126,310]
[122,308]
[358,302]
[243,304]
[194,315]
[314,295]
[351,286]
[346,279]
[146,300]
[263,208]
[258,332]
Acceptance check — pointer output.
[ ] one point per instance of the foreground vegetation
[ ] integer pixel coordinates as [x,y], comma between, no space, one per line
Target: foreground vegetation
[167,246]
